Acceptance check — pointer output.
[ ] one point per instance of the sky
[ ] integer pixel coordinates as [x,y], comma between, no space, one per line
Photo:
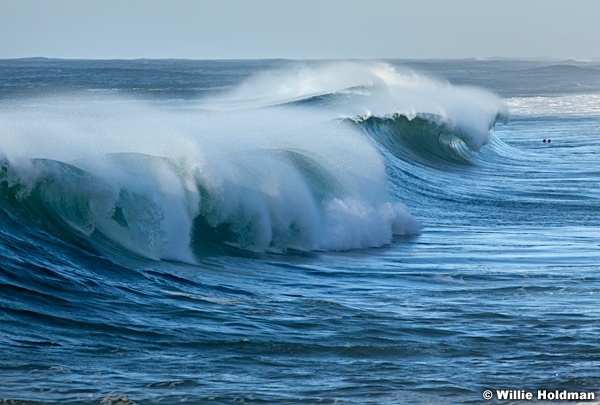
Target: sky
[299,29]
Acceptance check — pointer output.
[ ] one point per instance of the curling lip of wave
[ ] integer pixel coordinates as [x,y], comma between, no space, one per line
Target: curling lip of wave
[426,138]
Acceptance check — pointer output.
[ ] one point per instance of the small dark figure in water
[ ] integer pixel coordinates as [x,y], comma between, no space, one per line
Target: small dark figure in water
[549,140]
[544,140]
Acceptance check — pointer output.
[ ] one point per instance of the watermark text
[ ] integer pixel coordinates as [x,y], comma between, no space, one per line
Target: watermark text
[540,395]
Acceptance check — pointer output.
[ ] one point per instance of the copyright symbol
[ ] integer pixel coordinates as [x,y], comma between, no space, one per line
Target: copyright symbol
[487,395]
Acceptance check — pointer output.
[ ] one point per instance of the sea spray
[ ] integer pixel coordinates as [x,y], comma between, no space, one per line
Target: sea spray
[371,89]
[261,180]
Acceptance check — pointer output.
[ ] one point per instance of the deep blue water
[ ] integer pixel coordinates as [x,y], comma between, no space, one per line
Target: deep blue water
[297,232]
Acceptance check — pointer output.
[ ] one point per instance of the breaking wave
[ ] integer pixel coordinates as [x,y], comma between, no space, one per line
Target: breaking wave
[288,160]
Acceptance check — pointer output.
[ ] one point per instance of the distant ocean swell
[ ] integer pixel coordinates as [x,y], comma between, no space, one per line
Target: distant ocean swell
[269,166]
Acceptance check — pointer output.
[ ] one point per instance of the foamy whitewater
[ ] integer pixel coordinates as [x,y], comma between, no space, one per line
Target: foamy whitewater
[297,232]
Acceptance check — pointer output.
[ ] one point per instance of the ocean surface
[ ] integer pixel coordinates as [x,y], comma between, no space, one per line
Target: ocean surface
[298,232]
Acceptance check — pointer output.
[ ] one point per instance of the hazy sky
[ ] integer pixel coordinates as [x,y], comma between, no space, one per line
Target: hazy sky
[299,29]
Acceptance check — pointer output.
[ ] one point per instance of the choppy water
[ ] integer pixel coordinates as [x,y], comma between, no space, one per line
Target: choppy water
[297,232]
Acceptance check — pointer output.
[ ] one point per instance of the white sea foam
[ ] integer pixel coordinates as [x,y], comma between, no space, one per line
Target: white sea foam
[275,178]
[566,105]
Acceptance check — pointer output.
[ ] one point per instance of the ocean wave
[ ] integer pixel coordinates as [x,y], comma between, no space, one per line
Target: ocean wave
[289,160]
[259,183]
